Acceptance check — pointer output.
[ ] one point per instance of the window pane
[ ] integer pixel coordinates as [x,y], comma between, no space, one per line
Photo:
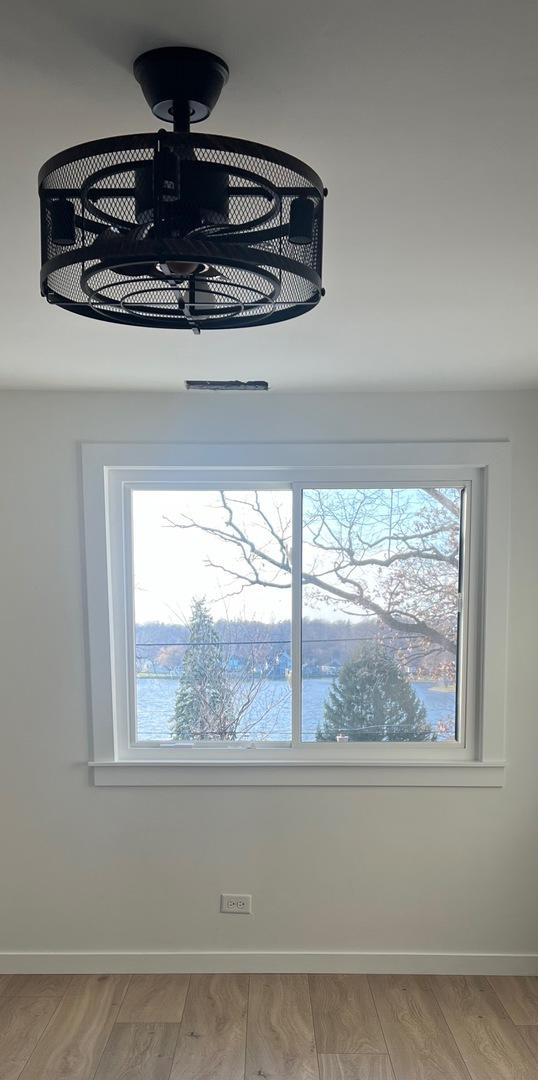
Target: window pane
[381,572]
[212,606]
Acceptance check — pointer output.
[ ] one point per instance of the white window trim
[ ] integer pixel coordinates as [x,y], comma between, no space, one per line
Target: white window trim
[478,760]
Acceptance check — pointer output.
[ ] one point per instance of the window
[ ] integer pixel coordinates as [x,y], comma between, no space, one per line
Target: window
[212,636]
[382,593]
[280,612]
[381,598]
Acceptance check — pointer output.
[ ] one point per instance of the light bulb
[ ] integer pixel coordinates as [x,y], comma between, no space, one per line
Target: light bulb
[180,269]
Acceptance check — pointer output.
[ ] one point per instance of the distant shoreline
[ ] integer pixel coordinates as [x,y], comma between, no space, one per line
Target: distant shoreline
[449,689]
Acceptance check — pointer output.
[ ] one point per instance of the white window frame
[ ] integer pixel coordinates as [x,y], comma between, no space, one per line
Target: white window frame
[111,471]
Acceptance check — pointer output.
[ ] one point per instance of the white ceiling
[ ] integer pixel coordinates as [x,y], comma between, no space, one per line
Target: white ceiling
[421,116]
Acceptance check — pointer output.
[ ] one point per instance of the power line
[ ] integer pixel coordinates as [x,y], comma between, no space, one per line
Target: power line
[284,641]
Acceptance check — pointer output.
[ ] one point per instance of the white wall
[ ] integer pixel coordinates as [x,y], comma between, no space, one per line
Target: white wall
[360,870]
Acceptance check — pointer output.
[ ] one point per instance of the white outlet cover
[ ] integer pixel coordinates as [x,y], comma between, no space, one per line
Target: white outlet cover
[236,903]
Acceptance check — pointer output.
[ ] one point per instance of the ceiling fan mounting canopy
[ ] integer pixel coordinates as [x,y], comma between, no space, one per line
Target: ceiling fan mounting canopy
[177,229]
[178,76]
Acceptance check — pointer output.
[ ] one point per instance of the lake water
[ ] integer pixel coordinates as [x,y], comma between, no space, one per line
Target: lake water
[156,697]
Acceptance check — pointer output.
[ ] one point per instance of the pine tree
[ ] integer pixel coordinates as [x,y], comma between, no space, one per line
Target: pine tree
[203,694]
[371,700]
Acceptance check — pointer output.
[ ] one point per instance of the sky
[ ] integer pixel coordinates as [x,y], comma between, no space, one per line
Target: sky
[170,564]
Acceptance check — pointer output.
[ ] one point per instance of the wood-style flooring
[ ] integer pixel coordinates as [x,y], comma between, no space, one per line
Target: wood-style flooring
[268,1027]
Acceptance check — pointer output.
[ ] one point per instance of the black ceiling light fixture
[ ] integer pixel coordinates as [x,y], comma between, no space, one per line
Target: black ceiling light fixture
[175,229]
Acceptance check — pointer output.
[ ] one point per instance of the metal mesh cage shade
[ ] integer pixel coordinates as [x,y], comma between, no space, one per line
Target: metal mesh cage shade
[181,230]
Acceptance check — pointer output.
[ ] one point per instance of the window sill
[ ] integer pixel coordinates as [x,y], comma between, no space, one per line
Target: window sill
[475,774]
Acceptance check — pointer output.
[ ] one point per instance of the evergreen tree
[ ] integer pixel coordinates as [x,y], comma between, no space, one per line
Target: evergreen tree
[203,693]
[371,700]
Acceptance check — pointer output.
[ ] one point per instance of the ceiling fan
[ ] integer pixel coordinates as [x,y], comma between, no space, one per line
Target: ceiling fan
[177,229]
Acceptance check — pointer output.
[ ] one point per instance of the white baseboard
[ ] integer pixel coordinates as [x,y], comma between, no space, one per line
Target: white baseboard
[286,961]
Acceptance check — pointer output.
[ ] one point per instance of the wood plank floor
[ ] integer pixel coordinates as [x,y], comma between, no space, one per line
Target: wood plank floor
[268,1027]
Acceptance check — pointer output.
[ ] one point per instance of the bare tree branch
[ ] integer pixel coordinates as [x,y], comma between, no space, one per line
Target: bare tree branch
[420,553]
[440,497]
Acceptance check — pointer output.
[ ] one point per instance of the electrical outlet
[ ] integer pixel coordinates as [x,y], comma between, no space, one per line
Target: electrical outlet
[236,903]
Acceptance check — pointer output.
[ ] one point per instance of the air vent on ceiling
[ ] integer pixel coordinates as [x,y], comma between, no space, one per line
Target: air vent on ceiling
[226,384]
